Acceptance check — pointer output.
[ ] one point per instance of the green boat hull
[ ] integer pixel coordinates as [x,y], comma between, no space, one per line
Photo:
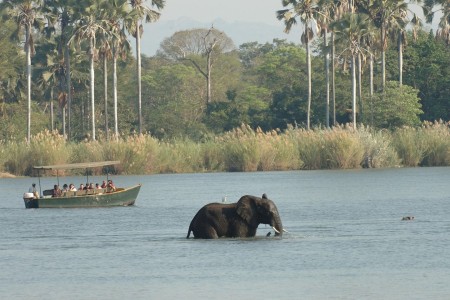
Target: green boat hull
[121,197]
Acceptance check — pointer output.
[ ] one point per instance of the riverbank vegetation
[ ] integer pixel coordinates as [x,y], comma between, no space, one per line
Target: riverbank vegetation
[69,96]
[242,149]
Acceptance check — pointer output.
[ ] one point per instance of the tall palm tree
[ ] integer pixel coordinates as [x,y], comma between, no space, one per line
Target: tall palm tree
[305,10]
[87,28]
[324,18]
[26,15]
[350,31]
[387,16]
[60,15]
[329,11]
[120,48]
[138,13]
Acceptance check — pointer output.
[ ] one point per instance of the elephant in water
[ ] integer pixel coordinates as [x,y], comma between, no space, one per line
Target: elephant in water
[239,219]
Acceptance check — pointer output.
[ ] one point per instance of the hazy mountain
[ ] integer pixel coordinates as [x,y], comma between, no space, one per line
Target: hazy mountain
[239,32]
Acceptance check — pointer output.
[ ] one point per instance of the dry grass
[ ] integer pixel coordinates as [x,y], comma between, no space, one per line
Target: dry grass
[242,149]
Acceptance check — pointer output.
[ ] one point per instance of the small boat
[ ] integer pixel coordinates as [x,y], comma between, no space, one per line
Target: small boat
[104,197]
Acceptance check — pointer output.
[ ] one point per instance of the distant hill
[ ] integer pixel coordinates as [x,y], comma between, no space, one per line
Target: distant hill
[239,32]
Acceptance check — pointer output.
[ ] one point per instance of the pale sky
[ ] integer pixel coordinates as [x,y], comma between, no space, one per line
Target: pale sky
[229,10]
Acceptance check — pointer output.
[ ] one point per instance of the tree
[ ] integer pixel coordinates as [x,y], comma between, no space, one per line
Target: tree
[443,6]
[388,16]
[26,15]
[350,31]
[92,23]
[139,12]
[176,107]
[305,10]
[190,44]
[10,65]
[120,48]
[396,107]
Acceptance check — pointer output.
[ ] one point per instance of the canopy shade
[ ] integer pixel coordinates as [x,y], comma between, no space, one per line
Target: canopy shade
[85,165]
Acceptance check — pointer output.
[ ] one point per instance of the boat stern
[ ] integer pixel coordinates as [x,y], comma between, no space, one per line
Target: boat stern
[30,200]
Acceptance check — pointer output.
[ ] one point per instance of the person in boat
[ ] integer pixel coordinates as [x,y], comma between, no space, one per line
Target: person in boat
[81,187]
[33,190]
[86,187]
[97,186]
[91,186]
[65,187]
[56,191]
[111,186]
[72,187]
[103,184]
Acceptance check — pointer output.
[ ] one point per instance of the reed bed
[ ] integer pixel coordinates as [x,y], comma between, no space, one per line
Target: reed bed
[242,150]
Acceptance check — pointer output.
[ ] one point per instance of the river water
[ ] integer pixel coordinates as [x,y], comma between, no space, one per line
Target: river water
[346,239]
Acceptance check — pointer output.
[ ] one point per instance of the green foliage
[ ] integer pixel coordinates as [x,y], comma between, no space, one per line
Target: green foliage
[395,107]
[426,67]
[242,149]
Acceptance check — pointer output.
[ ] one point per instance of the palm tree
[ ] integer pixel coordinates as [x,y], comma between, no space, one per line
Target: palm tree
[330,10]
[26,14]
[306,11]
[387,16]
[60,15]
[350,31]
[443,6]
[91,23]
[120,47]
[139,12]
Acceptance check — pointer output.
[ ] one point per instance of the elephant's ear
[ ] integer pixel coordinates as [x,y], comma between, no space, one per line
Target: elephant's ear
[245,209]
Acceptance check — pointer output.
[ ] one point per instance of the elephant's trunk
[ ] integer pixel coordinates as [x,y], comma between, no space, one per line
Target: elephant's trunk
[277,225]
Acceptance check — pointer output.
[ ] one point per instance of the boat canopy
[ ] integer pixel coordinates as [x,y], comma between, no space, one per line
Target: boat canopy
[85,165]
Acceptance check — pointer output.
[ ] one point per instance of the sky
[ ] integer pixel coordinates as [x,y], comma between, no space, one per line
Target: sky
[230,10]
[224,15]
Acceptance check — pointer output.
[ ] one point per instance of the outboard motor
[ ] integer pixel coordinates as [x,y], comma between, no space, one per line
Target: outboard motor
[30,200]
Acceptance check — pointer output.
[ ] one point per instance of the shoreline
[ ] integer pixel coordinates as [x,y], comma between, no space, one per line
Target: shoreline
[7,175]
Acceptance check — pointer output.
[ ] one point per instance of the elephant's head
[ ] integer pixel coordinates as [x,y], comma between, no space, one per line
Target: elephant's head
[255,211]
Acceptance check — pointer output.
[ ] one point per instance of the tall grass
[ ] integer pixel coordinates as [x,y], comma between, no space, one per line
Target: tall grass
[428,145]
[242,149]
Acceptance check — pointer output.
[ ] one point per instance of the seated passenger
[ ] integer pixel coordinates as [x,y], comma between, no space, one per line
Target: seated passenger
[103,184]
[65,187]
[111,186]
[56,191]
[81,187]
[72,187]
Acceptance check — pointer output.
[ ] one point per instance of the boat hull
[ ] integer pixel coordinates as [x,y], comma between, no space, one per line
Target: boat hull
[122,197]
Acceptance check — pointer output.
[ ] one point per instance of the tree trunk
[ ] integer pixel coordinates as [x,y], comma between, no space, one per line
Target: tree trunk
[371,86]
[400,59]
[28,55]
[354,91]
[360,100]
[139,74]
[105,82]
[208,79]
[69,91]
[52,122]
[116,127]
[327,75]
[63,118]
[383,58]
[308,63]
[333,78]
[92,76]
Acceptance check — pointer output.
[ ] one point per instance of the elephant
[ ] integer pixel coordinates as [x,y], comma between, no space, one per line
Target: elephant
[240,219]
